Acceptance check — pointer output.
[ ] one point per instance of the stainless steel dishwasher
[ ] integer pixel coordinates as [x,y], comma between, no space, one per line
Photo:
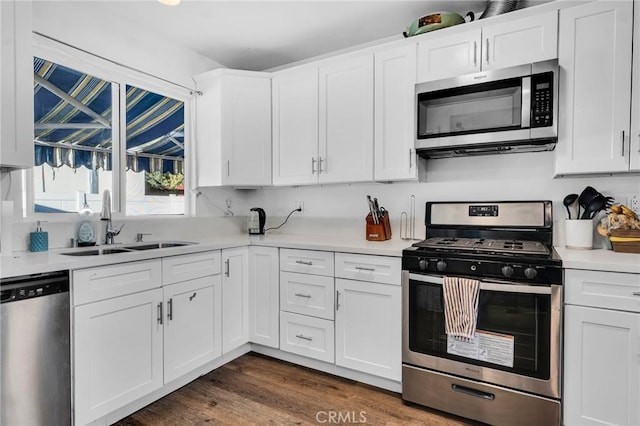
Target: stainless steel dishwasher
[35,373]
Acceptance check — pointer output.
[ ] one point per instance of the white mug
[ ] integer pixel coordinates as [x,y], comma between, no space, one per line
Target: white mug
[579,233]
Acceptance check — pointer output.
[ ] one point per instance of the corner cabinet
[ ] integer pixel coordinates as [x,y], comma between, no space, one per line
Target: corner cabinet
[394,88]
[595,49]
[233,128]
[602,348]
[487,47]
[16,85]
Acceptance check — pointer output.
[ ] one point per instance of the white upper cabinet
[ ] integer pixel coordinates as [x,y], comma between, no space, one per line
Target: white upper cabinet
[595,88]
[16,85]
[233,128]
[634,152]
[395,79]
[346,119]
[295,126]
[492,46]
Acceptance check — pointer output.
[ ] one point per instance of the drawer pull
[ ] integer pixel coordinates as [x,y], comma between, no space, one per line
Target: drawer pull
[362,268]
[307,296]
[636,293]
[303,337]
[303,262]
[192,297]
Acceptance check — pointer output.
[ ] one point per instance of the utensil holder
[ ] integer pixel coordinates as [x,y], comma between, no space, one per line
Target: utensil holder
[579,234]
[380,231]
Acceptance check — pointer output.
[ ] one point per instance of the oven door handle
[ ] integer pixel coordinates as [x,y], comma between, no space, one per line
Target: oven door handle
[490,286]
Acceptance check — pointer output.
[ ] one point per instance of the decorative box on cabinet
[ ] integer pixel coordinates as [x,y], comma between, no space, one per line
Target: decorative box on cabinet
[233,128]
[602,348]
[16,85]
[491,46]
[595,48]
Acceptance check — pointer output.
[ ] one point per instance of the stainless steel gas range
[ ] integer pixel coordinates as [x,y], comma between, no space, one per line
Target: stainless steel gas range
[510,372]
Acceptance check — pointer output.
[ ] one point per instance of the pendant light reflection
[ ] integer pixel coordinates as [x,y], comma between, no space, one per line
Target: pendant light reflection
[170,2]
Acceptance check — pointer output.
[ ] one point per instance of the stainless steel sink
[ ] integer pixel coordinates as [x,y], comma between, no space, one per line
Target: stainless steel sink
[127,249]
[97,252]
[152,246]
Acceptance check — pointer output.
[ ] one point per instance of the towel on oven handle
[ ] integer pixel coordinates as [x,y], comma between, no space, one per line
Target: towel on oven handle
[460,307]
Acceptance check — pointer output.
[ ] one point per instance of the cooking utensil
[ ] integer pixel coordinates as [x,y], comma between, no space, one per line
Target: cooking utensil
[587,194]
[372,210]
[569,200]
[595,205]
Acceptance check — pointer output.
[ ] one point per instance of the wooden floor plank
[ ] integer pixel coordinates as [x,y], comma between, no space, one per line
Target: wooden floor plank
[255,389]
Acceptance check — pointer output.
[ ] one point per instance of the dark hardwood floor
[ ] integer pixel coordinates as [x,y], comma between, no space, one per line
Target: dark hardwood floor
[256,389]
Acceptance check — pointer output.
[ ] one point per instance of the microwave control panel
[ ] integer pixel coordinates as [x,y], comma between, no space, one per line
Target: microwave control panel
[542,100]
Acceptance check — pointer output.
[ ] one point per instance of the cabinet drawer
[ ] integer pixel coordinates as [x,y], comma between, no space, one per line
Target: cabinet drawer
[190,266]
[612,290]
[307,294]
[307,336]
[307,261]
[379,269]
[105,282]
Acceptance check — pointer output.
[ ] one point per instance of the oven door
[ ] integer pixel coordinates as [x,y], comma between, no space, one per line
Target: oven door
[517,341]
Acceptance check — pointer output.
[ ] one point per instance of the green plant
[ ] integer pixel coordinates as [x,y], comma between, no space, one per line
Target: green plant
[165,181]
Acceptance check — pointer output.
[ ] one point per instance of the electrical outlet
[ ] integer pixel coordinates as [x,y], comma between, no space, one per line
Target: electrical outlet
[634,204]
[299,205]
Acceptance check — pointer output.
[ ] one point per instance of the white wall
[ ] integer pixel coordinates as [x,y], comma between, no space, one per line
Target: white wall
[526,176]
[107,37]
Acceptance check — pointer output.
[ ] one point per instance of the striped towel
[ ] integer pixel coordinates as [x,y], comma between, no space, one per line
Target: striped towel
[460,307]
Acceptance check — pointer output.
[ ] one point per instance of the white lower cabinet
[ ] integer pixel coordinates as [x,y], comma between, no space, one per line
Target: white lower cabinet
[130,339]
[117,353]
[308,336]
[602,348]
[192,325]
[235,298]
[264,306]
[369,328]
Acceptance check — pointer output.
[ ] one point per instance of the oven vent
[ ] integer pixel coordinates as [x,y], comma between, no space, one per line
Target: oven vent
[488,149]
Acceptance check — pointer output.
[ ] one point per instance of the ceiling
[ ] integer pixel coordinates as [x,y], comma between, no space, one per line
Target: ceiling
[258,35]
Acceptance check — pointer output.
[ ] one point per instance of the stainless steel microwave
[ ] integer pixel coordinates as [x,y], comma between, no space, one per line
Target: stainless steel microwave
[499,111]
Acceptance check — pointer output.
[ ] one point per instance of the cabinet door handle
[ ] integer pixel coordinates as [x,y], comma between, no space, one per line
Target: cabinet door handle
[226,268]
[475,53]
[410,158]
[622,142]
[638,143]
[487,53]
[193,296]
[337,300]
[228,167]
[170,309]
[303,337]
[320,160]
[313,165]
[303,262]
[636,293]
[159,312]
[362,268]
[306,296]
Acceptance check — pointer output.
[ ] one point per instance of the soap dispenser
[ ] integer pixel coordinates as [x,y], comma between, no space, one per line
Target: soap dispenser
[86,229]
[39,240]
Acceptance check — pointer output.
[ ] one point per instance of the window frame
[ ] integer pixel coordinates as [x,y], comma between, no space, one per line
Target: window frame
[119,76]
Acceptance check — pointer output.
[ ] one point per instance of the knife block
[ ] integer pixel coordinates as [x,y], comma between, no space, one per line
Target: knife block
[378,231]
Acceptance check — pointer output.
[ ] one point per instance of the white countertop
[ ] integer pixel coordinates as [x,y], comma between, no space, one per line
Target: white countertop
[23,263]
[599,260]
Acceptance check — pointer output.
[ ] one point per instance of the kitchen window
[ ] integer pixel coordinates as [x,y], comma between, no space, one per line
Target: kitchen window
[93,132]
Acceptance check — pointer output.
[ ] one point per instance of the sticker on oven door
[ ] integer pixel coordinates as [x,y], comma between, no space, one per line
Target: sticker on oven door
[485,346]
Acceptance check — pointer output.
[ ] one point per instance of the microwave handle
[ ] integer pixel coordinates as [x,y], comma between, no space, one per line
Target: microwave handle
[490,286]
[526,102]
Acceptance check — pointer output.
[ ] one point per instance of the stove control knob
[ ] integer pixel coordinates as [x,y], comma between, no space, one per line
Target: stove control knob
[441,265]
[507,271]
[423,264]
[530,273]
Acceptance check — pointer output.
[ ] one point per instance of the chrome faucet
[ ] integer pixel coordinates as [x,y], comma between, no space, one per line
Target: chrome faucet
[110,232]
